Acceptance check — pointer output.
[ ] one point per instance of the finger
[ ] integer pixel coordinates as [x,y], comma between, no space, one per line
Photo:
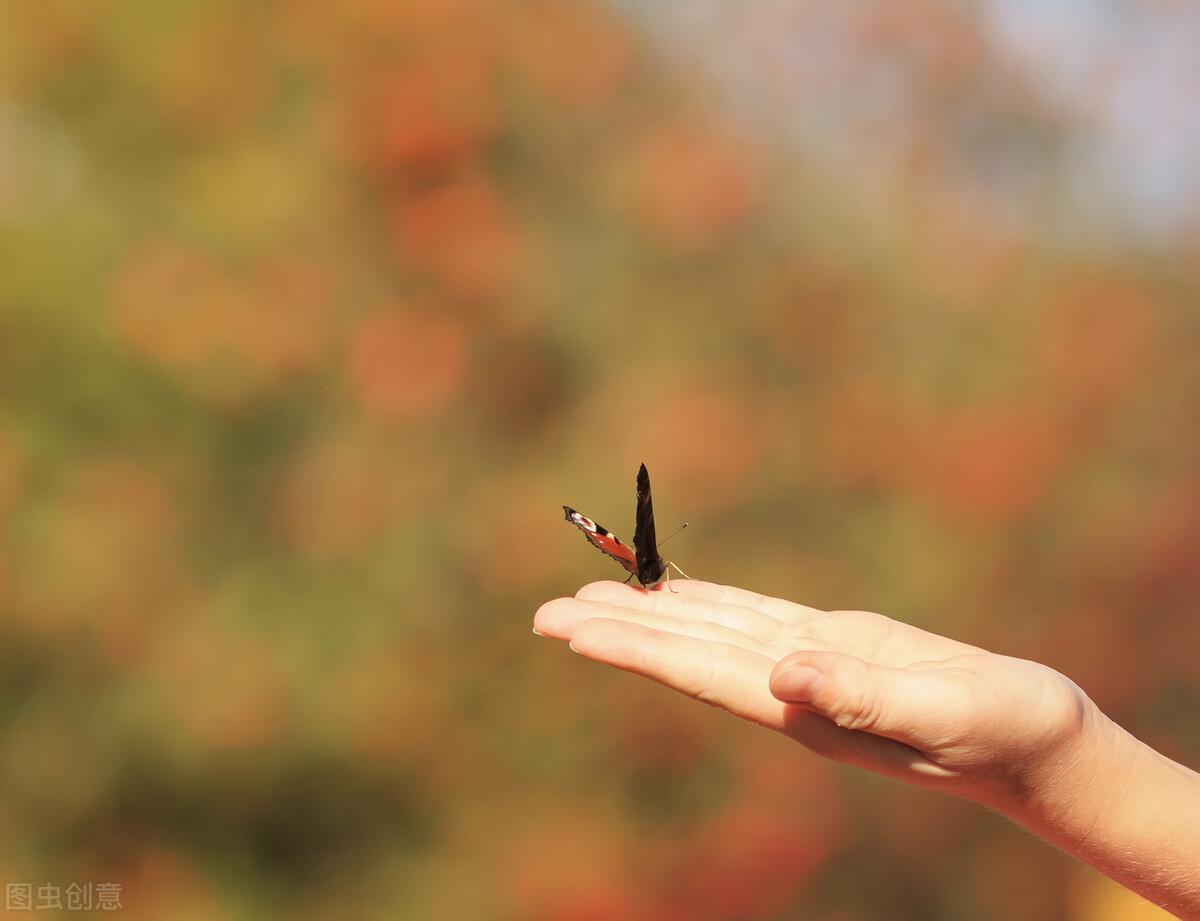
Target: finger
[725,676]
[737,681]
[875,753]
[778,608]
[744,620]
[911,707]
[561,618]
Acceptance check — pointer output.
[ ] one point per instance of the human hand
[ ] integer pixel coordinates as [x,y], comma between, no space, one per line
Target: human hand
[867,690]
[853,686]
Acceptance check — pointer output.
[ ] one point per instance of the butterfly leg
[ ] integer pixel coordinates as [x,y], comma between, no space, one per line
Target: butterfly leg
[667,574]
[677,569]
[627,581]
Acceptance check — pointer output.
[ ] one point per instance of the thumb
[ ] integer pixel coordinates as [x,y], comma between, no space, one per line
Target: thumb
[862,696]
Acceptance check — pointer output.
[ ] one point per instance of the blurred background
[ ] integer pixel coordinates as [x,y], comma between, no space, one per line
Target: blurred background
[313,315]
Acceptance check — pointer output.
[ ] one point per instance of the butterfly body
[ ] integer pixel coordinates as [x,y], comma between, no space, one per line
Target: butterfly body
[642,559]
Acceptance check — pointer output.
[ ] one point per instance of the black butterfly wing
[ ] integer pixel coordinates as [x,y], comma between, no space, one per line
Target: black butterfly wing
[650,566]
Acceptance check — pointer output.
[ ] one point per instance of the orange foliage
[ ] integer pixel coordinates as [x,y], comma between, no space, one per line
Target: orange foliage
[1099,649]
[1098,334]
[405,365]
[705,444]
[986,464]
[576,53]
[106,557]
[215,75]
[53,34]
[413,21]
[748,863]
[224,689]
[965,252]
[391,706]
[692,183]
[522,383]
[863,432]
[435,110]
[819,319]
[568,859]
[1168,546]
[523,548]
[290,328]
[798,784]
[923,825]
[156,882]
[461,232]
[334,499]
[659,737]
[229,338]
[1009,857]
[175,307]
[611,901]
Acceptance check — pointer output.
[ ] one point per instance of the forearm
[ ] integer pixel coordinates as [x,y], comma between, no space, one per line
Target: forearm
[1126,810]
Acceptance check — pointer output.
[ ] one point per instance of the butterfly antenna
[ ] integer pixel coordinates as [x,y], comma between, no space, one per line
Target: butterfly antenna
[673,533]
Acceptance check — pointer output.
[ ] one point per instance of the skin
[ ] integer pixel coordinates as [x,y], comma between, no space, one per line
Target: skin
[867,690]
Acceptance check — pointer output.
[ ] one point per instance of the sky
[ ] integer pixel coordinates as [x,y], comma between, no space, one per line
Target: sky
[1128,73]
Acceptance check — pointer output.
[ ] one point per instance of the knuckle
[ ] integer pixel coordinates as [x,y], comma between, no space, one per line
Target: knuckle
[859,712]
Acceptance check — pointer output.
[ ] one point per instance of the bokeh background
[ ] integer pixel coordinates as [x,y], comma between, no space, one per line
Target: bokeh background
[313,315]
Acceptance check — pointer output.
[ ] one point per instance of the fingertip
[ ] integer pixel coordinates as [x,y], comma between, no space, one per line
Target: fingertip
[788,662]
[544,607]
[554,617]
[799,683]
[798,677]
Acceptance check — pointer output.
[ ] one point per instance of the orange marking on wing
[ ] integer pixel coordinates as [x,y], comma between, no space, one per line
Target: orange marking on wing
[607,543]
[604,541]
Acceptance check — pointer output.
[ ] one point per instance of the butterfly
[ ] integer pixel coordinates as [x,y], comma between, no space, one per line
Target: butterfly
[642,559]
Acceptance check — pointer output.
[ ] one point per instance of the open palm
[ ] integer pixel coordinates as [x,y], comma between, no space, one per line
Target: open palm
[854,686]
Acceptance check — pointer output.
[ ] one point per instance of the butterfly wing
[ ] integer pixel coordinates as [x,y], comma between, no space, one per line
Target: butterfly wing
[650,565]
[603,540]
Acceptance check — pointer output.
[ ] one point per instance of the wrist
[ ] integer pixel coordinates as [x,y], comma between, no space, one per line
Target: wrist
[1113,802]
[1067,783]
